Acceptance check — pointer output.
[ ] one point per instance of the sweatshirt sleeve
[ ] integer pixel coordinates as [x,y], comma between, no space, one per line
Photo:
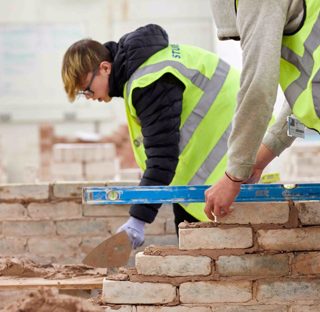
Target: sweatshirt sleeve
[260,25]
[276,138]
[158,107]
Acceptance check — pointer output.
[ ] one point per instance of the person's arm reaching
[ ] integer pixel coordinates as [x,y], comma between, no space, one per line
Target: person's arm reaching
[260,25]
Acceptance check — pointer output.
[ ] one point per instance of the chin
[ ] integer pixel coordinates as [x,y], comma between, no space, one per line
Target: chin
[107,99]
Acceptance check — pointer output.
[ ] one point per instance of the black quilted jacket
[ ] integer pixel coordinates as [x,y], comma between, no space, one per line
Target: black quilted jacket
[158,107]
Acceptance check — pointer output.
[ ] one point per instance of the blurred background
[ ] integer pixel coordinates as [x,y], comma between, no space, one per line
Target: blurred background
[43,137]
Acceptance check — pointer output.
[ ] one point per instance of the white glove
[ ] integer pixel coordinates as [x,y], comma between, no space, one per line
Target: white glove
[135,230]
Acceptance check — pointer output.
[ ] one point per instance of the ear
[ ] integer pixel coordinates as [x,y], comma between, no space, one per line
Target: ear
[106,67]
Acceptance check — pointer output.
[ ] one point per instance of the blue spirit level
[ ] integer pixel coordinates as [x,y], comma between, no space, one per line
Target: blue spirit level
[196,193]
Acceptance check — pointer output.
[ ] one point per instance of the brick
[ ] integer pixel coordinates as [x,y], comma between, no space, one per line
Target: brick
[54,247]
[288,291]
[54,211]
[290,239]
[74,189]
[10,246]
[253,265]
[67,171]
[173,265]
[309,212]
[305,308]
[12,212]
[126,292]
[28,228]
[215,238]
[170,227]
[165,211]
[161,240]
[102,170]
[106,210]
[25,191]
[121,308]
[179,308]
[83,227]
[306,263]
[249,308]
[217,291]
[258,213]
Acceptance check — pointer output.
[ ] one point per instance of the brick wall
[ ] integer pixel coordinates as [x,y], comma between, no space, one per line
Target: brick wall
[48,223]
[263,257]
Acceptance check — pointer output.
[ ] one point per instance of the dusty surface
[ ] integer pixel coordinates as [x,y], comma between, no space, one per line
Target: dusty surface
[23,267]
[48,300]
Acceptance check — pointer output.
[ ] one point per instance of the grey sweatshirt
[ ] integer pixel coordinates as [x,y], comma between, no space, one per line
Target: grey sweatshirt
[260,24]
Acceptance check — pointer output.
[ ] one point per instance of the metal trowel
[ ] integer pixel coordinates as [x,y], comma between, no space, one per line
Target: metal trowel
[113,252]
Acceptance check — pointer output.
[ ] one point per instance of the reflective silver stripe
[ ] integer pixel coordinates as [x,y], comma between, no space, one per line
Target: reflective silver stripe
[316,92]
[213,159]
[305,66]
[194,75]
[211,90]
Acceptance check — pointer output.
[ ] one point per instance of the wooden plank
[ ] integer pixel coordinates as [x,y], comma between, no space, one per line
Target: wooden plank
[7,283]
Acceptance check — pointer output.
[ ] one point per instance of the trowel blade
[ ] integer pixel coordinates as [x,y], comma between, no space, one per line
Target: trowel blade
[113,252]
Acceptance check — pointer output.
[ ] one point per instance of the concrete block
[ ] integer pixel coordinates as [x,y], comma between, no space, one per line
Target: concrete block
[55,210]
[85,227]
[290,239]
[25,191]
[72,171]
[57,247]
[106,210]
[253,265]
[102,170]
[309,212]
[173,265]
[215,238]
[289,291]
[258,213]
[217,291]
[12,212]
[306,263]
[125,292]
[74,189]
[11,246]
[28,228]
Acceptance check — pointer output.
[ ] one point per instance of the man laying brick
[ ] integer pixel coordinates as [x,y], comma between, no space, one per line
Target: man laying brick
[179,102]
[280,42]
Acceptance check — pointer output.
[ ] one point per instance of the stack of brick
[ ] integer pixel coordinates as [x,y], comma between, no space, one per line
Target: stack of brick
[84,162]
[263,257]
[48,223]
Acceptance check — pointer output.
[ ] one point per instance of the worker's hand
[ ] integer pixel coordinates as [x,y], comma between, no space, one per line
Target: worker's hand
[135,230]
[220,196]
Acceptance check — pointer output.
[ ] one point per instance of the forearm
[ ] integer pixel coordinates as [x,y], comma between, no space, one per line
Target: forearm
[276,138]
[261,39]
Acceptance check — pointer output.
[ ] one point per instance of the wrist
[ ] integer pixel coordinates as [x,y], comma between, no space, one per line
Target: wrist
[233,179]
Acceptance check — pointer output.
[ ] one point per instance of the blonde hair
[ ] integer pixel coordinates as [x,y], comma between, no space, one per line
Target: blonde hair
[81,58]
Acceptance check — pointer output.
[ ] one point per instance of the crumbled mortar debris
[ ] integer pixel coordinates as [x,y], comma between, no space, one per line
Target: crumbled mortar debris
[23,267]
[49,300]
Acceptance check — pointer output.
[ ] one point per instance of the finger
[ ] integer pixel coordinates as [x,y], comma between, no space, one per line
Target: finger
[208,211]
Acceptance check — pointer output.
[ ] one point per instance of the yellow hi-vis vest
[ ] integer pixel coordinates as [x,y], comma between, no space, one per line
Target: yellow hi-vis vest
[300,68]
[208,106]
